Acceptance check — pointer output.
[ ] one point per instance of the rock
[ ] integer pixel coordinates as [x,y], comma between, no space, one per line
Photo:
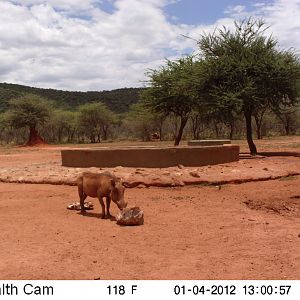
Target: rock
[180,167]
[118,168]
[76,205]
[177,173]
[130,216]
[162,181]
[194,174]
[166,173]
[138,172]
[177,182]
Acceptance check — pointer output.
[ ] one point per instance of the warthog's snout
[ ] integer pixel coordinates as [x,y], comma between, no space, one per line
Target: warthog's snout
[117,194]
[122,205]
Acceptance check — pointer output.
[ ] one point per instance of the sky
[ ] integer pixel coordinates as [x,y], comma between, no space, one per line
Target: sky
[94,45]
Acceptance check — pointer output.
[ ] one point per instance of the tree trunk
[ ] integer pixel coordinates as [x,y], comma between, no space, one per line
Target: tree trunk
[105,132]
[183,121]
[217,129]
[60,132]
[258,123]
[251,144]
[160,133]
[196,127]
[258,126]
[93,139]
[287,126]
[98,138]
[258,134]
[34,138]
[231,131]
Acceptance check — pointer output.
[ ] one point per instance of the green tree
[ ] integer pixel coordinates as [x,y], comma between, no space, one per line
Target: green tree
[95,119]
[288,119]
[142,122]
[246,73]
[259,121]
[171,91]
[29,111]
[71,124]
[4,125]
[61,126]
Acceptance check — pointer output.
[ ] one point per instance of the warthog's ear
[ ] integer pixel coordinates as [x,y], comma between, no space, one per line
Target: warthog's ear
[113,183]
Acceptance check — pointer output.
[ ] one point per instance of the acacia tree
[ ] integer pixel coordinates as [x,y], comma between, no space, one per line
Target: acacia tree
[196,125]
[95,120]
[171,91]
[61,126]
[5,128]
[142,122]
[259,120]
[71,124]
[288,119]
[29,111]
[247,73]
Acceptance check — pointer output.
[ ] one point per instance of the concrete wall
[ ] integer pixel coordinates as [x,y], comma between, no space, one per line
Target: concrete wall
[152,157]
[208,142]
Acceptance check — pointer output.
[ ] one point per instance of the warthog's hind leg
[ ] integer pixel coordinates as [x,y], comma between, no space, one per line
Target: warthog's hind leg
[108,200]
[102,206]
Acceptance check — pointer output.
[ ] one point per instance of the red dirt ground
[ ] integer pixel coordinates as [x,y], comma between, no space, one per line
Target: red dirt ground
[244,231]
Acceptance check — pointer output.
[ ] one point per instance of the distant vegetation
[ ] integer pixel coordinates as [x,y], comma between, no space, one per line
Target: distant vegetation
[117,100]
[241,86]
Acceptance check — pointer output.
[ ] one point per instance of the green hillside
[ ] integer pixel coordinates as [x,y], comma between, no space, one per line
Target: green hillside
[117,100]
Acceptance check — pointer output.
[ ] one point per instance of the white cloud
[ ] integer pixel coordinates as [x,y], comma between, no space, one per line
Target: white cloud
[73,44]
[238,9]
[283,16]
[49,48]
[60,4]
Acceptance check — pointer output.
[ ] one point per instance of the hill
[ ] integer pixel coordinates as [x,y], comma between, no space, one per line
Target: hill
[117,100]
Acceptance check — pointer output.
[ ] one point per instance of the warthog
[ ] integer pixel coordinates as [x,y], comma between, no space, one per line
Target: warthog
[98,186]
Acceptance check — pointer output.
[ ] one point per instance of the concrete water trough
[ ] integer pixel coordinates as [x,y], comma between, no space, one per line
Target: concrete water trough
[149,157]
[208,142]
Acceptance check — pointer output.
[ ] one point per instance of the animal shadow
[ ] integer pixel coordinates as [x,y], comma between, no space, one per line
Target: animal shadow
[96,215]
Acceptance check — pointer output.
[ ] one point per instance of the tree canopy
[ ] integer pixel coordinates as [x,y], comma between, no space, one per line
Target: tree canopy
[29,111]
[171,90]
[245,72]
[96,119]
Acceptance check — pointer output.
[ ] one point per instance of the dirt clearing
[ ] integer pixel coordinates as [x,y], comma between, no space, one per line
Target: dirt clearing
[221,231]
[192,232]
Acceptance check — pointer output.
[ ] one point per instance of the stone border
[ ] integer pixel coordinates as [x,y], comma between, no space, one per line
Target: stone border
[244,170]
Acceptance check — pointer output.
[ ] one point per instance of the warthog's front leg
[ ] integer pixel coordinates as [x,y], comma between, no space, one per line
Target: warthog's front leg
[102,206]
[82,197]
[108,200]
